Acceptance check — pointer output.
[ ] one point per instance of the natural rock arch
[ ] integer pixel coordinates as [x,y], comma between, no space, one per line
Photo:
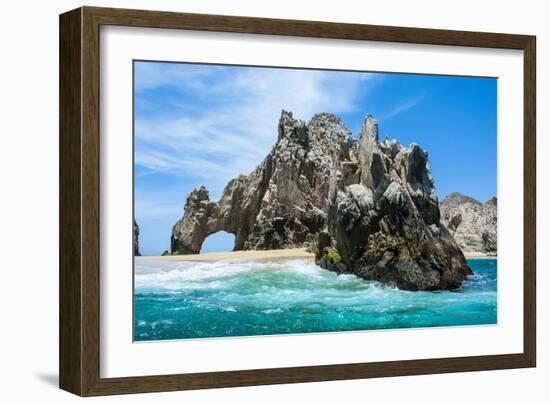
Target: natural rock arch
[366,207]
[282,203]
[203,218]
[220,241]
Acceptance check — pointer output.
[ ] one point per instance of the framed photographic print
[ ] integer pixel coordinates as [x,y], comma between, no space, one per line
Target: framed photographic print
[249,201]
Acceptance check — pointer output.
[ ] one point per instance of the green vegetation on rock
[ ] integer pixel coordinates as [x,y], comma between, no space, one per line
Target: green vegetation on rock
[334,256]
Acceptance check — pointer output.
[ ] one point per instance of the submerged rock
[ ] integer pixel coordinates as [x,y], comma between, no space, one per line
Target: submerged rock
[365,207]
[472,223]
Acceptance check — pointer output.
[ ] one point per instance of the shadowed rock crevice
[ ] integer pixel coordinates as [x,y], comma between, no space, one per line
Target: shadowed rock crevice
[365,207]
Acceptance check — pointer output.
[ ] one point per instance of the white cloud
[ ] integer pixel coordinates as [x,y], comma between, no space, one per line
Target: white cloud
[157,209]
[237,125]
[155,75]
[402,107]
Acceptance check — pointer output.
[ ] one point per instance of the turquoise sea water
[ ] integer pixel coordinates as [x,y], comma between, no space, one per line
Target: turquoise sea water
[181,300]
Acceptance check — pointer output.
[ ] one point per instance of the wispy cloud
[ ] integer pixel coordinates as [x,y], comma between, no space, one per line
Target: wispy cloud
[403,106]
[151,76]
[227,118]
[158,208]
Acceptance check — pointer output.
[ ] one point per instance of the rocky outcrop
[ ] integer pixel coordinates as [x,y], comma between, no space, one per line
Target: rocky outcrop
[472,223]
[383,219]
[136,239]
[283,202]
[365,207]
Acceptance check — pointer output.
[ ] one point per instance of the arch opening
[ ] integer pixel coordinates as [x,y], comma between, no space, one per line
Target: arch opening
[220,241]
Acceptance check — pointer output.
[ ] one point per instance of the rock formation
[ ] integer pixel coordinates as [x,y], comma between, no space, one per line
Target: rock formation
[383,219]
[283,202]
[365,207]
[472,223]
[136,239]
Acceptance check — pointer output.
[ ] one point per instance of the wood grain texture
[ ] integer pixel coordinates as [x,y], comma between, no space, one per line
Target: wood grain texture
[80,200]
[315,29]
[90,202]
[530,202]
[70,271]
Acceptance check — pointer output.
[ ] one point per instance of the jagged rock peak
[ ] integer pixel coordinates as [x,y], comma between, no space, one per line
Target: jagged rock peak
[456,198]
[370,127]
[492,201]
[324,129]
[326,118]
[290,128]
[198,195]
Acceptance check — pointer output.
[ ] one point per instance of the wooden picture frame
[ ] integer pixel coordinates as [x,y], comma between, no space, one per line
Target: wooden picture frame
[79,348]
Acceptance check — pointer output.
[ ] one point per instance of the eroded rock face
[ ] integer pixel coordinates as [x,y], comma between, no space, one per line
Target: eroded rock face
[384,222]
[365,207]
[472,223]
[283,202]
[136,239]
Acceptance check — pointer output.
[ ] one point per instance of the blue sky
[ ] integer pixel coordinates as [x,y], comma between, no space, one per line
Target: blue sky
[203,125]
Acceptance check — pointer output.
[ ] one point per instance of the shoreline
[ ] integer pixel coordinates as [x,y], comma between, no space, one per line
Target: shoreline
[273,254]
[479,255]
[241,255]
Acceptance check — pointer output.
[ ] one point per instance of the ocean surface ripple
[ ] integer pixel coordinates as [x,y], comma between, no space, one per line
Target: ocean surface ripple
[182,300]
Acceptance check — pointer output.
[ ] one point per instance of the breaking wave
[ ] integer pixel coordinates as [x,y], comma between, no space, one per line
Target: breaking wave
[178,300]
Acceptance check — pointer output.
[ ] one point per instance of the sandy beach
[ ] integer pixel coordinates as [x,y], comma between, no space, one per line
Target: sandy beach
[238,255]
[266,254]
[478,255]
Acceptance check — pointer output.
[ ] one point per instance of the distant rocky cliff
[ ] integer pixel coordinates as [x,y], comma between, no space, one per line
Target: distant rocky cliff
[472,223]
[365,207]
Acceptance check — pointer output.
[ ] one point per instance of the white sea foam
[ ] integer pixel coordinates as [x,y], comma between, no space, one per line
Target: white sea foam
[197,275]
[281,284]
[203,299]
